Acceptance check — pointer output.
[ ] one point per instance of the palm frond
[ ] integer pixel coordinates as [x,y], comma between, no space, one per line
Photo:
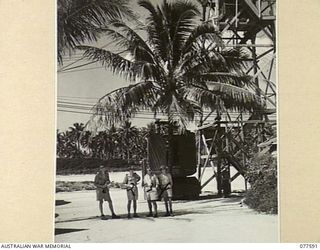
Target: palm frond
[206,32]
[233,97]
[156,30]
[227,77]
[131,40]
[115,62]
[235,59]
[79,21]
[131,70]
[203,62]
[180,17]
[122,104]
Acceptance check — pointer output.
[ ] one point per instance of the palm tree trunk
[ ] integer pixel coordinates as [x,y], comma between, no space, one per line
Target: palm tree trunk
[169,147]
[128,156]
[78,148]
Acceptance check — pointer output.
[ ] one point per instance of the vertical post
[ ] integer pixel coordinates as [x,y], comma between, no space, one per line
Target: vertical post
[170,147]
[255,70]
[237,9]
[228,167]
[143,171]
[217,14]
[219,186]
[204,10]
[217,8]
[199,148]
[219,147]
[199,154]
[255,64]
[148,151]
[243,155]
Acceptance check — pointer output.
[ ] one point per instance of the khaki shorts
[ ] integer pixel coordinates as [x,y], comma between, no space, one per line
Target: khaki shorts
[166,194]
[132,194]
[150,195]
[103,194]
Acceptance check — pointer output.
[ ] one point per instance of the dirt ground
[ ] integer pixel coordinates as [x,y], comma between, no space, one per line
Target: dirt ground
[204,220]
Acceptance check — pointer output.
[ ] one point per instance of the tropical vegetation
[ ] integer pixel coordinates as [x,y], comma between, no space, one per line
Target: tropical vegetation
[125,142]
[262,176]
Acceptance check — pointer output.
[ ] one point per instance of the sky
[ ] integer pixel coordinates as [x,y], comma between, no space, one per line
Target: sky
[87,84]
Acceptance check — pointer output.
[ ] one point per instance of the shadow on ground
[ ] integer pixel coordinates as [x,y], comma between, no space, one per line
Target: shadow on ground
[143,216]
[61,202]
[58,231]
[207,199]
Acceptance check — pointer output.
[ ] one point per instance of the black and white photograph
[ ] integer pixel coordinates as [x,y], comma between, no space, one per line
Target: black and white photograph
[166,121]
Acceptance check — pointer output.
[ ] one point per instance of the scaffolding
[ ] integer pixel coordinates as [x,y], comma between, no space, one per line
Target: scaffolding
[229,140]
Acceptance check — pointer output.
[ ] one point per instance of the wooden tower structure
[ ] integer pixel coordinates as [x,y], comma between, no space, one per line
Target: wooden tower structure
[229,140]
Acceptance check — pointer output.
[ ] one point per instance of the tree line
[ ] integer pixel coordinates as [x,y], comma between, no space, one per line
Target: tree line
[125,142]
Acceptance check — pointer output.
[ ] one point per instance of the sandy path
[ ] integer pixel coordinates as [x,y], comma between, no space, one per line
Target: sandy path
[207,220]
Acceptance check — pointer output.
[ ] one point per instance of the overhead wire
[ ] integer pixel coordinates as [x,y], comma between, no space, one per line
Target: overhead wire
[80,70]
[136,117]
[90,111]
[91,105]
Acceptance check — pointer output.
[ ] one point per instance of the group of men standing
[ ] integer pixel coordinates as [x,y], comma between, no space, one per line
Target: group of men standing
[155,188]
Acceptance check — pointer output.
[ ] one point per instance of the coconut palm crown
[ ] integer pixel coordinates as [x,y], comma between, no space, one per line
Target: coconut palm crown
[177,65]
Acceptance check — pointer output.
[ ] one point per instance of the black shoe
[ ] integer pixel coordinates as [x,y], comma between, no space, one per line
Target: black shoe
[135,215]
[155,216]
[103,217]
[150,215]
[114,216]
[167,214]
[129,216]
[171,214]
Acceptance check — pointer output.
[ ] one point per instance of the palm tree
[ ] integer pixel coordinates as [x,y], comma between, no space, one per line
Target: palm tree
[61,144]
[115,143]
[75,136]
[80,21]
[101,145]
[85,139]
[174,72]
[128,134]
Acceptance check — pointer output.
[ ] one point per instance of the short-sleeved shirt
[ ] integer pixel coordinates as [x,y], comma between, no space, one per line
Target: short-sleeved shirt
[102,193]
[150,187]
[132,190]
[134,179]
[101,179]
[150,181]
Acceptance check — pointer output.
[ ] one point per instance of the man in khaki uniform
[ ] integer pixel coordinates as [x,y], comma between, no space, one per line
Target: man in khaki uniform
[130,181]
[151,184]
[102,181]
[166,185]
